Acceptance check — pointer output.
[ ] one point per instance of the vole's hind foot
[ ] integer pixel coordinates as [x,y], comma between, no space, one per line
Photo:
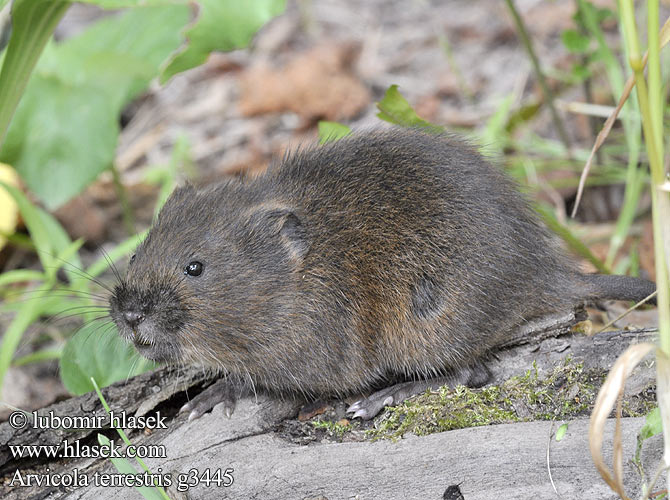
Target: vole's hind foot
[473,376]
[221,391]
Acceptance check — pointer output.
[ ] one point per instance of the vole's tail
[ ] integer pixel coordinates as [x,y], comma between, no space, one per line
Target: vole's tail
[609,286]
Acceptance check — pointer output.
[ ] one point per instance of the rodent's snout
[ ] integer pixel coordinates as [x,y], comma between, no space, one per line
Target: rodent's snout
[150,317]
[133,318]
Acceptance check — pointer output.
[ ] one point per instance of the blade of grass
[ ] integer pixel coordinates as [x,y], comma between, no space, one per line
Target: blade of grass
[163,494]
[36,357]
[32,25]
[20,275]
[25,316]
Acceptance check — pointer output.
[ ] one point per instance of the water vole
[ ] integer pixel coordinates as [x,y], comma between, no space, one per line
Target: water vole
[384,255]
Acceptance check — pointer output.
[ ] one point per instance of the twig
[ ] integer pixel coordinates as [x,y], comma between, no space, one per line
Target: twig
[626,312]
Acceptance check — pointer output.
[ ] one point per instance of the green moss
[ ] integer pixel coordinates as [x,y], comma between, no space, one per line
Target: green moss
[567,392]
[336,429]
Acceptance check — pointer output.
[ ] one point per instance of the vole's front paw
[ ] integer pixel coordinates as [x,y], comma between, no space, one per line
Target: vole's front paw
[221,391]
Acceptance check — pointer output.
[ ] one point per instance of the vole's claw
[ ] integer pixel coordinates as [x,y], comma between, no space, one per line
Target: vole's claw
[366,408]
[356,406]
[184,408]
[221,391]
[362,414]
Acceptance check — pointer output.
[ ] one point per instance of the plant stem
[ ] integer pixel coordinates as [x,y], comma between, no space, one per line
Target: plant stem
[548,94]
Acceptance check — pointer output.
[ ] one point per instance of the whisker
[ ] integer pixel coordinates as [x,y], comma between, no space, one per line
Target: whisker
[76,270]
[88,309]
[112,266]
[58,292]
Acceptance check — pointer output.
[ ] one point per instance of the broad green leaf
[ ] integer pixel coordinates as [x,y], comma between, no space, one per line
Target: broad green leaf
[332,131]
[653,425]
[575,41]
[47,137]
[119,54]
[394,108]
[65,130]
[98,351]
[221,25]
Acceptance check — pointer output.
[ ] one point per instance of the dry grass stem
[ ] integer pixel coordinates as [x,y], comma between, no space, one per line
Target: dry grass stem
[609,393]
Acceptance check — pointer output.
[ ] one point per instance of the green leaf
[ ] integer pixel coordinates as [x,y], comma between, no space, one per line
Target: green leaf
[493,136]
[39,356]
[98,351]
[29,311]
[521,115]
[652,425]
[332,131]
[65,131]
[121,54]
[19,275]
[394,108]
[581,72]
[180,161]
[48,235]
[560,432]
[47,137]
[33,22]
[575,42]
[120,4]
[124,466]
[221,25]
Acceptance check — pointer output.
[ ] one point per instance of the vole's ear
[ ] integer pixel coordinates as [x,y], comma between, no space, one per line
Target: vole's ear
[286,223]
[293,235]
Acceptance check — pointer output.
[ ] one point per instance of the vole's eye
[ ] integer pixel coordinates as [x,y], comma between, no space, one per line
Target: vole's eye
[131,259]
[194,268]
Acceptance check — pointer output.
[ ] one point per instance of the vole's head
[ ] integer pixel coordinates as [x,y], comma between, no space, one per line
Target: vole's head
[214,277]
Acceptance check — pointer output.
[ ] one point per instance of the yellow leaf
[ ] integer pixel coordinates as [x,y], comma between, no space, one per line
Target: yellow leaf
[9,211]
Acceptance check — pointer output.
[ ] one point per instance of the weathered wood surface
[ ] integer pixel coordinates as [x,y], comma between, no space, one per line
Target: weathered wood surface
[505,461]
[496,462]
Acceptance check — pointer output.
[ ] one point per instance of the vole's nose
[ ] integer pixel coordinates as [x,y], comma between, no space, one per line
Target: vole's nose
[133,318]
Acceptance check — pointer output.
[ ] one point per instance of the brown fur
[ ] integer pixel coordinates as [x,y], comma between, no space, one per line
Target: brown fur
[383,255]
